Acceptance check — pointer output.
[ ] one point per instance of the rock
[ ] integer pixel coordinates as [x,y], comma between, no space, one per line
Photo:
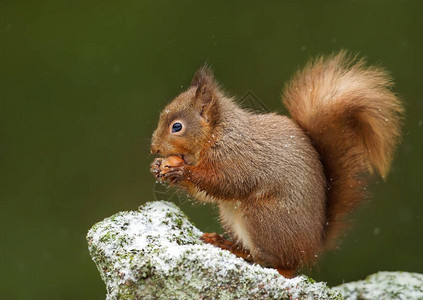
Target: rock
[384,285]
[155,253]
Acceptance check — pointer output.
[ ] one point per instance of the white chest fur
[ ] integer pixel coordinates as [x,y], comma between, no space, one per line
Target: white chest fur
[232,218]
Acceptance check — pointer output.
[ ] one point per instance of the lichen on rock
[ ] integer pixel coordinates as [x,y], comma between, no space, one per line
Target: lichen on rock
[155,253]
[384,285]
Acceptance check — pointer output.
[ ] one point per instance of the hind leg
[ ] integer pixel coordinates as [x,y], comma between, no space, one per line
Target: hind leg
[219,241]
[277,239]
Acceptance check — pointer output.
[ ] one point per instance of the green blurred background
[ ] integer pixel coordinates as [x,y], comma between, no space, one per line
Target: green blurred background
[81,87]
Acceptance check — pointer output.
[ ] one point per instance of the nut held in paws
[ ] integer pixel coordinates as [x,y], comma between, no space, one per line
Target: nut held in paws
[170,162]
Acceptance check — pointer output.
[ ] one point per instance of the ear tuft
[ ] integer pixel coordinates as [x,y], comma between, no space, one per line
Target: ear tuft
[203,77]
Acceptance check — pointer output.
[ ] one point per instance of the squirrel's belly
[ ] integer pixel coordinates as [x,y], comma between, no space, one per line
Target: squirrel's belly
[232,218]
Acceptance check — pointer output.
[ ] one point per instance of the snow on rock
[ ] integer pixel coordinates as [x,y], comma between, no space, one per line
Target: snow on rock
[384,285]
[155,253]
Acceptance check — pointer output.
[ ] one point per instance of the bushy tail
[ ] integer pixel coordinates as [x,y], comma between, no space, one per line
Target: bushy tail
[353,119]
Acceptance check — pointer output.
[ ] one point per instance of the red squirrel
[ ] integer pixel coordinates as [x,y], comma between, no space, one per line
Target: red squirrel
[283,185]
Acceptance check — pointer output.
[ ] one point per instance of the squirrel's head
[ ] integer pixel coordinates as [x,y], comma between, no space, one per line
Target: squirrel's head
[186,125]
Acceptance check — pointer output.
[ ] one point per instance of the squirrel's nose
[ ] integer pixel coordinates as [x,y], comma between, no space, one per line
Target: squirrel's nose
[154,150]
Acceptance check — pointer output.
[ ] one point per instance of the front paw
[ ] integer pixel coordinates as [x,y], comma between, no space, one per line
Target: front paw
[170,169]
[173,174]
[155,168]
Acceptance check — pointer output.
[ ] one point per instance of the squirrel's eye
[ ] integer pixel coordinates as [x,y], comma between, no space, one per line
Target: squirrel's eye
[176,127]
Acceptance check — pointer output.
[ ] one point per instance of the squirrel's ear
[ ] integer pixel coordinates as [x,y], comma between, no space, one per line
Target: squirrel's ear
[205,94]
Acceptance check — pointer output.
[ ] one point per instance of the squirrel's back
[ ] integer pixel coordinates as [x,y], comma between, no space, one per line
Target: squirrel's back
[353,119]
